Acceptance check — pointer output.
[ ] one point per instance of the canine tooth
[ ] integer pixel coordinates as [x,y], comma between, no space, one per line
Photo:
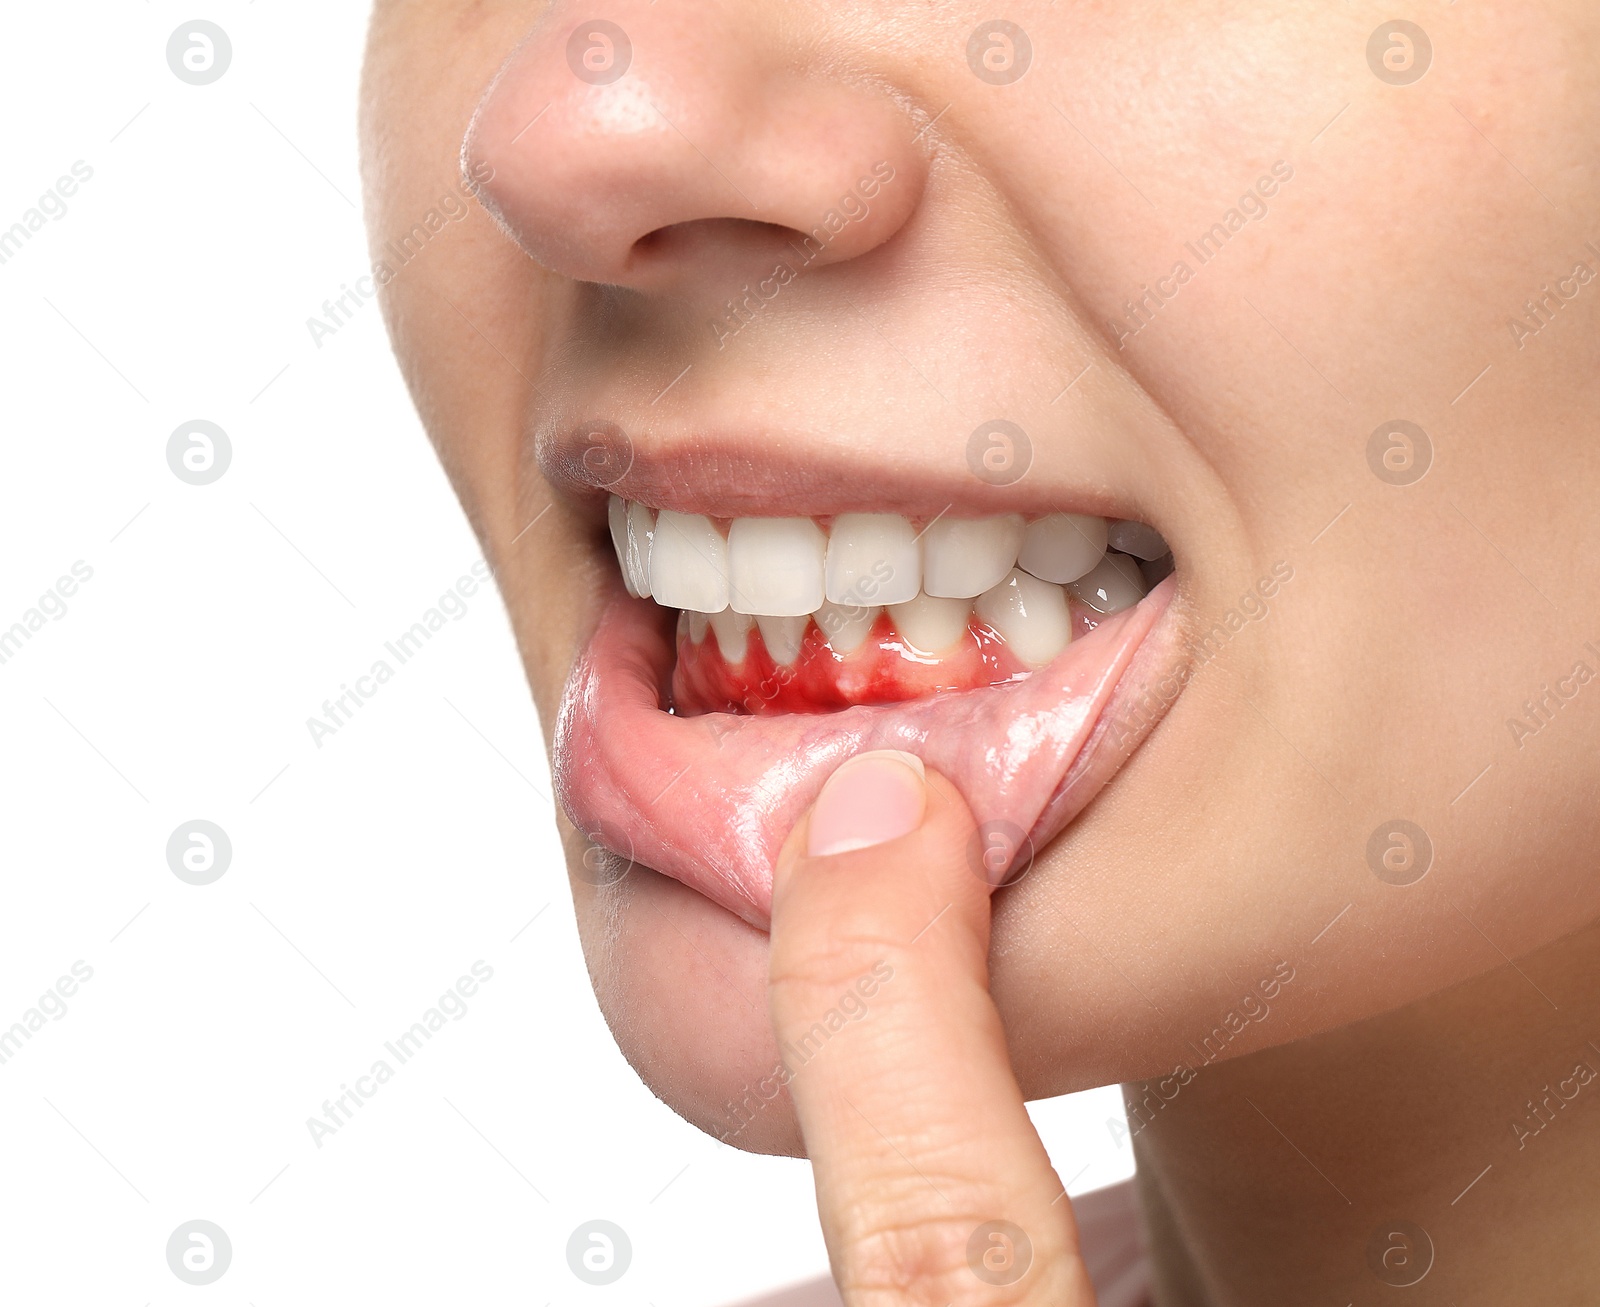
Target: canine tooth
[1135,538]
[782,636]
[845,626]
[636,565]
[732,631]
[1114,584]
[1063,546]
[775,565]
[699,623]
[617,520]
[932,624]
[688,563]
[873,558]
[963,557]
[1029,614]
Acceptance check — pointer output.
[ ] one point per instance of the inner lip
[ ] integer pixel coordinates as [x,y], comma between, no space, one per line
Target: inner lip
[708,796]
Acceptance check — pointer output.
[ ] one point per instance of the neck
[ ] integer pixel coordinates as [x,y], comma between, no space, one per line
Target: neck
[1305,1173]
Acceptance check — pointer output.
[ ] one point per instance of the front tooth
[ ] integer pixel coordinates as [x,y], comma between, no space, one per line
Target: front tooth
[932,624]
[775,565]
[845,626]
[963,557]
[1030,615]
[872,558]
[688,563]
[636,565]
[1143,542]
[617,520]
[1114,584]
[732,631]
[1063,546]
[699,623]
[782,636]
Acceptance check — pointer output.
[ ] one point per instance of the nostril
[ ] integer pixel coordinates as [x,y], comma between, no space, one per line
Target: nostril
[723,240]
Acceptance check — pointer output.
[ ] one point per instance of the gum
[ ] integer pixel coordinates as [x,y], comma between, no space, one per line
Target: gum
[883,670]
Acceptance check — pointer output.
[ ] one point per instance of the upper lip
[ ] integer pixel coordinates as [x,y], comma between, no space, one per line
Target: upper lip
[790,474]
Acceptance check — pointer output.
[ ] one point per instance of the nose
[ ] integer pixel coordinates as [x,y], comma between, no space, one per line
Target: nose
[657,148]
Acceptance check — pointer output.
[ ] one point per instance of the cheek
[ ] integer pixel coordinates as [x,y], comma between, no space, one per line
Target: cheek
[1179,890]
[461,303]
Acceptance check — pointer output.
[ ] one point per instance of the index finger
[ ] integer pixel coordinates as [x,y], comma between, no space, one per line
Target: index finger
[932,1184]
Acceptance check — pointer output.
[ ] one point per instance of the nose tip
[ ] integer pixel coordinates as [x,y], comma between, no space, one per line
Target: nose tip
[651,151]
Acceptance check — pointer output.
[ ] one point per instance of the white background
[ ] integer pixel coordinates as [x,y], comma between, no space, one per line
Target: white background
[366,875]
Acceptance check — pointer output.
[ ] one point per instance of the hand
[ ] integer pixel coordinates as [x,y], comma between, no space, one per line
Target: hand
[932,1184]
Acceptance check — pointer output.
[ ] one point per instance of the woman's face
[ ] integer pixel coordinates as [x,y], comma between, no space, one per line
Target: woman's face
[1316,300]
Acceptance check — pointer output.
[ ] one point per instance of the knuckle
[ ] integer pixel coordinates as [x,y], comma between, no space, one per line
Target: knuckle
[839,961]
[901,1260]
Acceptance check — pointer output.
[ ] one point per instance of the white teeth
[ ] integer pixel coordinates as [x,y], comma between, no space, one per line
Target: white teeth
[873,558]
[641,532]
[963,557]
[1063,546]
[779,573]
[617,520]
[688,563]
[1113,585]
[732,631]
[1137,539]
[931,624]
[845,625]
[782,636]
[775,565]
[1030,615]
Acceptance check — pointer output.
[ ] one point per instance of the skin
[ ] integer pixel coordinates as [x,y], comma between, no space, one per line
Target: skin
[911,1113]
[1377,685]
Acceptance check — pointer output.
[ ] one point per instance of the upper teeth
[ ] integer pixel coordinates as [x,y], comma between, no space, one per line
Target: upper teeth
[775,565]
[963,557]
[1062,547]
[783,570]
[632,529]
[872,558]
[688,563]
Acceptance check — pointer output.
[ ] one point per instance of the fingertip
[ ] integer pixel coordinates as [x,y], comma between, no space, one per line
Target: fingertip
[870,799]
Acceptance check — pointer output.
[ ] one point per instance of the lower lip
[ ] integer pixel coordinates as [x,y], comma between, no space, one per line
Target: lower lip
[709,800]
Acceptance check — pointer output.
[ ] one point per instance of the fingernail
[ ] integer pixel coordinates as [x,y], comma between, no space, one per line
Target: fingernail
[870,799]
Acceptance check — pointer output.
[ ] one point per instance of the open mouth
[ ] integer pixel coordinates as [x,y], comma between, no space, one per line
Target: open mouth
[739,660]
[794,615]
